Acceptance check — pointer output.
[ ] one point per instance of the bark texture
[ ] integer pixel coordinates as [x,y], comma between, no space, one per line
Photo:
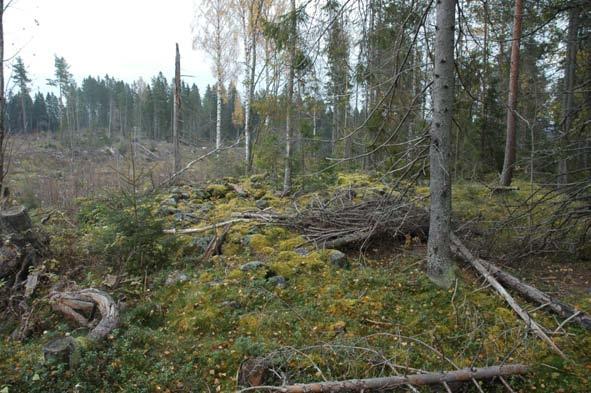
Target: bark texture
[439,265]
[510,153]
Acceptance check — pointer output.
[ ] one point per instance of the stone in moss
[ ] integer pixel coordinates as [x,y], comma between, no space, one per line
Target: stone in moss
[217,191]
[262,204]
[338,259]
[278,281]
[253,265]
[303,251]
[175,278]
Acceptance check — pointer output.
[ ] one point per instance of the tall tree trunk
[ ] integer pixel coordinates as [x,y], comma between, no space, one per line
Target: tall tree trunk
[439,265]
[24,112]
[509,162]
[2,100]
[110,131]
[568,94]
[176,125]
[218,119]
[290,78]
[335,125]
[249,97]
[484,90]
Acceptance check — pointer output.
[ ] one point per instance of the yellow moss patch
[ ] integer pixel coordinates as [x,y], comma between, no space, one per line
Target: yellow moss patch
[290,244]
[217,190]
[250,322]
[257,243]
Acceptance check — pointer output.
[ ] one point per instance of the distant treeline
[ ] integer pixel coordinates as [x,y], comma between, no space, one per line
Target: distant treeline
[117,107]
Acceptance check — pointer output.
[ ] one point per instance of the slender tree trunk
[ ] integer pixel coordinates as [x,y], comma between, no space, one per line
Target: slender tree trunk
[439,265]
[290,78]
[110,131]
[24,112]
[483,91]
[218,120]
[2,100]
[568,94]
[509,162]
[249,97]
[176,125]
[335,125]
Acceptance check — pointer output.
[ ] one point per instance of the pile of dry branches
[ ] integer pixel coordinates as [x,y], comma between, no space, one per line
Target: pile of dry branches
[341,221]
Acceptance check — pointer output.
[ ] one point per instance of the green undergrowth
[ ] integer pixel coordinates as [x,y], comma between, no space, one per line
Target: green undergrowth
[379,316]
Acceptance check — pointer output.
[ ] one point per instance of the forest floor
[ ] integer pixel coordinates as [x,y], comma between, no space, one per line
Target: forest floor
[188,322]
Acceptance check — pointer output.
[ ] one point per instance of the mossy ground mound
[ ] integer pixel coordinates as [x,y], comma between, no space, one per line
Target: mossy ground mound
[379,316]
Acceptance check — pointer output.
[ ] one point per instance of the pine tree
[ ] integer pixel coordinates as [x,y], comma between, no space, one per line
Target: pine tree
[22,80]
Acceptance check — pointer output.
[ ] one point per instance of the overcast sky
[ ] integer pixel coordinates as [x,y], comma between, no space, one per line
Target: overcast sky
[126,39]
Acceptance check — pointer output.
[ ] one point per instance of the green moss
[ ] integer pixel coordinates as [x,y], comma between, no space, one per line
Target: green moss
[197,334]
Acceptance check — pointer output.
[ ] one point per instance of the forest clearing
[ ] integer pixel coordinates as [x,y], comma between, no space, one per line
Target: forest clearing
[369,196]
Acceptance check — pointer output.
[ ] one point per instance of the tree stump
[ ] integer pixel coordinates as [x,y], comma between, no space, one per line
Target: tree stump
[15,220]
[61,350]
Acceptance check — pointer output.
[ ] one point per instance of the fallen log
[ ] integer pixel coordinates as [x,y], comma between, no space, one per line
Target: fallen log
[459,249]
[74,305]
[535,295]
[370,384]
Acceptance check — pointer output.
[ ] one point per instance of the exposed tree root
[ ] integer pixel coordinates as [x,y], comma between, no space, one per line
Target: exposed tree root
[81,306]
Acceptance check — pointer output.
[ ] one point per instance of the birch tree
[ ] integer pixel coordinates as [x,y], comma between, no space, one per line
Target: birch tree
[250,15]
[439,265]
[217,37]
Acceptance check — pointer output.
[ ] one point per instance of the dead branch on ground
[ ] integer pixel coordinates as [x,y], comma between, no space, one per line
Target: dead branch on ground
[362,385]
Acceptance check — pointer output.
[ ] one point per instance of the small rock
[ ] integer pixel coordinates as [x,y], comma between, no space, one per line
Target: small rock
[110,280]
[262,204]
[169,210]
[250,266]
[170,202]
[206,207]
[176,277]
[278,281]
[338,259]
[200,193]
[186,217]
[303,251]
[232,304]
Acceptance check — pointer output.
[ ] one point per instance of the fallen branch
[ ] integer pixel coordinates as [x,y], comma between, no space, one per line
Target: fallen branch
[187,231]
[537,296]
[363,385]
[459,249]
